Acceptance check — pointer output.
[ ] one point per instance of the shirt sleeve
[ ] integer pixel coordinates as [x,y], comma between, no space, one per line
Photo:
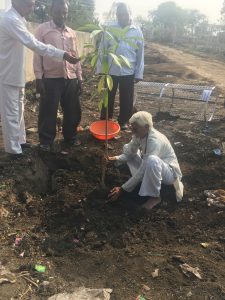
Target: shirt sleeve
[152,149]
[139,69]
[18,31]
[38,59]
[136,178]
[129,150]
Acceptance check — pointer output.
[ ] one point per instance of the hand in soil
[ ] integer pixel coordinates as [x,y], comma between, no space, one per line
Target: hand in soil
[115,193]
[109,159]
[112,158]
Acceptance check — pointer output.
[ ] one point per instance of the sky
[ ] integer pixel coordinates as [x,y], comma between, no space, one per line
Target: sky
[211,8]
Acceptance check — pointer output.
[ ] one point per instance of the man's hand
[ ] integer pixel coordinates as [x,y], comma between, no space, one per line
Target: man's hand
[71,59]
[40,87]
[79,87]
[115,193]
[136,80]
[109,159]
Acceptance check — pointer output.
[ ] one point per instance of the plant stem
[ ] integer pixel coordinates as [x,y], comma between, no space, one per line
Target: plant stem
[106,131]
[104,164]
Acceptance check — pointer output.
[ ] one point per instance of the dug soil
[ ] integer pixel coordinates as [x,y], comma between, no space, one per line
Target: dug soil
[55,204]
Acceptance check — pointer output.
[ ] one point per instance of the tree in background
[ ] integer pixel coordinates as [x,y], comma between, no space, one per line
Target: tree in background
[170,22]
[223,12]
[195,20]
[80,12]
[145,25]
[223,8]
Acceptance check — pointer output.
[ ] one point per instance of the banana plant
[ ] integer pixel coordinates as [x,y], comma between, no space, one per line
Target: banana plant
[107,57]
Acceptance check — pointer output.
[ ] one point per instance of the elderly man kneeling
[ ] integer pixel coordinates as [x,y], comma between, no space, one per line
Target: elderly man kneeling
[151,160]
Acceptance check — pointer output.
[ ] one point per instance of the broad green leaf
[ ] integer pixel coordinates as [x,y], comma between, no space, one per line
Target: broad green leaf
[101,27]
[109,35]
[132,44]
[115,31]
[115,59]
[105,65]
[100,104]
[135,38]
[89,28]
[88,46]
[114,47]
[95,32]
[109,82]
[94,60]
[124,61]
[106,98]
[101,84]
[94,94]
[125,29]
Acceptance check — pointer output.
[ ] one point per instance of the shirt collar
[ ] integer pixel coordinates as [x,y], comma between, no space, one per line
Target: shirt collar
[53,25]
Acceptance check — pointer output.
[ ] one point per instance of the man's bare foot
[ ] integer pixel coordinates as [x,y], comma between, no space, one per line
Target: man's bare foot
[151,202]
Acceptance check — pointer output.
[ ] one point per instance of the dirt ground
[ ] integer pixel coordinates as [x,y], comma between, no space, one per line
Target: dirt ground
[54,202]
[209,68]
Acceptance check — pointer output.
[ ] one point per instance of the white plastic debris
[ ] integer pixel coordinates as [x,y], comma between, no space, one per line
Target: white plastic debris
[83,293]
[3,212]
[189,294]
[32,130]
[189,270]
[155,274]
[146,288]
[6,275]
[215,198]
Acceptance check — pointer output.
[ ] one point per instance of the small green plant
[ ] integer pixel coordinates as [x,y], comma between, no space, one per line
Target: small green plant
[107,56]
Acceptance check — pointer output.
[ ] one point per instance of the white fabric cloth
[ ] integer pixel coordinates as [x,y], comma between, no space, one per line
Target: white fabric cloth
[13,127]
[155,144]
[206,94]
[13,37]
[134,56]
[156,172]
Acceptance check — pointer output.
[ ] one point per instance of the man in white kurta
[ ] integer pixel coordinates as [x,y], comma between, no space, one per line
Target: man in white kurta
[13,37]
[151,160]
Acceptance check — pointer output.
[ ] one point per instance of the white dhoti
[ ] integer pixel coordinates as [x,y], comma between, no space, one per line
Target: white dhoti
[156,172]
[12,109]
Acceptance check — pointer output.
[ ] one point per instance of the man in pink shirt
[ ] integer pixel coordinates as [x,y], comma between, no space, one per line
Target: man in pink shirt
[58,81]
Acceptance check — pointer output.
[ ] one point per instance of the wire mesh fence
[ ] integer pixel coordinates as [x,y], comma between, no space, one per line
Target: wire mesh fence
[185,101]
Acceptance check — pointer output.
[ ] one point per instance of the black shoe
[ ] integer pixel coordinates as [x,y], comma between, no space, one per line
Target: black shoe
[26,146]
[16,156]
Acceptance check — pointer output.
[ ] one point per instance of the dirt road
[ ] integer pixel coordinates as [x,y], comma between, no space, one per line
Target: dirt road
[209,68]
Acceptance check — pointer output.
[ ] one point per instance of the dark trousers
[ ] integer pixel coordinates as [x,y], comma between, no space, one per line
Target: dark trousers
[65,92]
[126,98]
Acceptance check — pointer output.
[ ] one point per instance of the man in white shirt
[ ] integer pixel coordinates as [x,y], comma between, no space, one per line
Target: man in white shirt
[13,37]
[124,77]
[151,160]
